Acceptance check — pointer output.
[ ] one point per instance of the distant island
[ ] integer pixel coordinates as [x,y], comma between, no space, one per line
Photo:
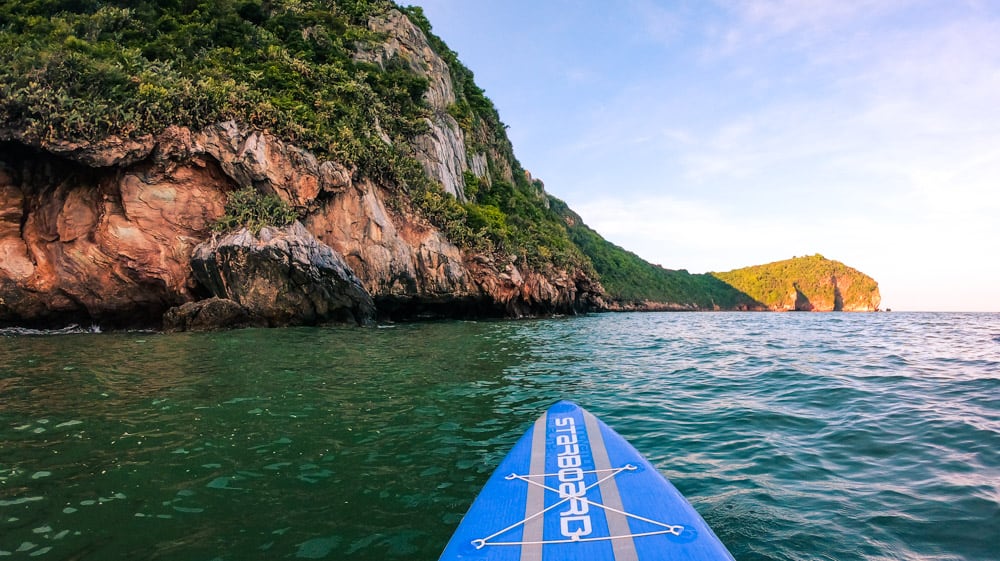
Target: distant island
[282,163]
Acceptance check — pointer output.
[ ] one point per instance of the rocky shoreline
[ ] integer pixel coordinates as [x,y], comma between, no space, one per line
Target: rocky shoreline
[114,234]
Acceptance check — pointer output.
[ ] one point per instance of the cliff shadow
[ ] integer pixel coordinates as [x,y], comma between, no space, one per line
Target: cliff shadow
[725,296]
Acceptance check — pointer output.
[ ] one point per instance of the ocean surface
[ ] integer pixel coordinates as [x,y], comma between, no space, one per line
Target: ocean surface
[797,436]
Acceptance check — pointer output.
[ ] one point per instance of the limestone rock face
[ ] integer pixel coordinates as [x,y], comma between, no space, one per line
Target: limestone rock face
[283,276]
[111,151]
[395,255]
[107,245]
[830,298]
[845,299]
[530,293]
[113,244]
[441,150]
[254,158]
[799,301]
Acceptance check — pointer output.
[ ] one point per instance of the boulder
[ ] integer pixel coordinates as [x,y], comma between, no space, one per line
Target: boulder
[282,277]
[207,315]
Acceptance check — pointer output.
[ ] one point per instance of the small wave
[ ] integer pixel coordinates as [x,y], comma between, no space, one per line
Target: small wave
[68,330]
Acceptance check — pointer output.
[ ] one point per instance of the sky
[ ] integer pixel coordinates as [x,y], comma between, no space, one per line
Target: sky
[710,135]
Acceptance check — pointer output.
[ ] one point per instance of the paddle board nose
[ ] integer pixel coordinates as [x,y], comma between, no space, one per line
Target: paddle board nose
[572,489]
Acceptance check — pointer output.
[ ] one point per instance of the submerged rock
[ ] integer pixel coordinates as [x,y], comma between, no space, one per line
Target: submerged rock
[282,277]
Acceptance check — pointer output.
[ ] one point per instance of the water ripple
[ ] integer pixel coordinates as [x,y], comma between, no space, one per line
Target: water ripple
[798,436]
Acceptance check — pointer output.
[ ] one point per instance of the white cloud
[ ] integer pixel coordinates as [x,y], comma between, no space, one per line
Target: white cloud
[797,24]
[915,118]
[688,234]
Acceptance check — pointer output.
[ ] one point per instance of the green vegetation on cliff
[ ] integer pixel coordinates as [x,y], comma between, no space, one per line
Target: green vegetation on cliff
[248,208]
[87,69]
[811,282]
[627,278]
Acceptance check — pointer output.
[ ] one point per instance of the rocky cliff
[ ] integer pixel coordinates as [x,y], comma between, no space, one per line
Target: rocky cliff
[104,228]
[442,150]
[101,233]
[125,131]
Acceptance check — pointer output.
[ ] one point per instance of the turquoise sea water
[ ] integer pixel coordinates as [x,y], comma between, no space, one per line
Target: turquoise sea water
[797,436]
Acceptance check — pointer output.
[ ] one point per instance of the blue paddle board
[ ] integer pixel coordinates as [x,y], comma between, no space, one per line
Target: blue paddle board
[572,489]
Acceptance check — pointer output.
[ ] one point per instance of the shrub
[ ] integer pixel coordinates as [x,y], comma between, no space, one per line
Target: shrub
[247,208]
